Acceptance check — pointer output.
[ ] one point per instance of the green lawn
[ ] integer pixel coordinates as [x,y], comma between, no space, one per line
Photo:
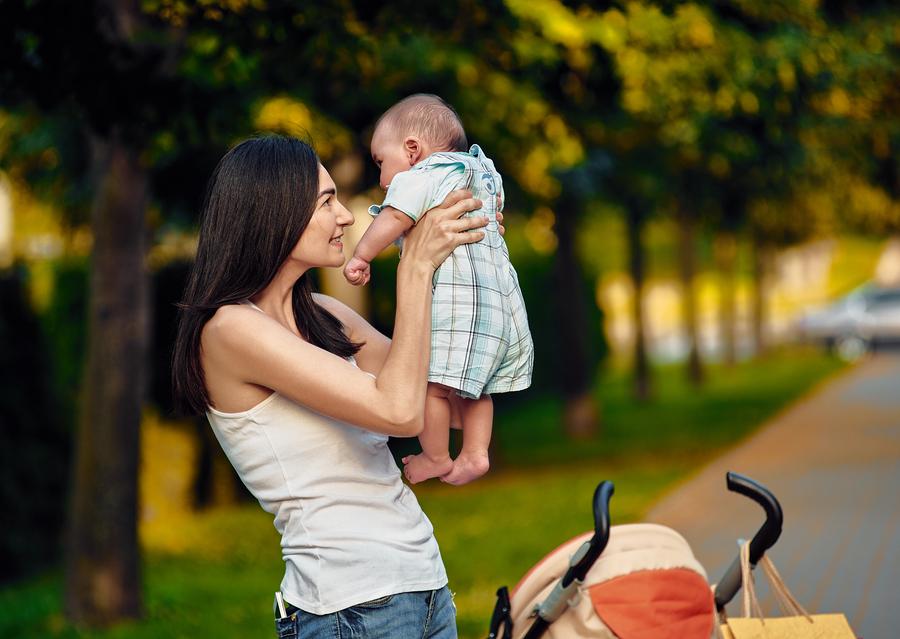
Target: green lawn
[679,418]
[213,574]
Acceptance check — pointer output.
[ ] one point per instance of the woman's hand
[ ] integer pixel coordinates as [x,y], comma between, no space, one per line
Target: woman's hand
[442,229]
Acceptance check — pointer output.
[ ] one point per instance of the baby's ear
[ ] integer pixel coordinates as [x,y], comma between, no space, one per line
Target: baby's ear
[413,149]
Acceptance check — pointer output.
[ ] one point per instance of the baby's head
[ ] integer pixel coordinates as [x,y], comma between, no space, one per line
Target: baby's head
[413,129]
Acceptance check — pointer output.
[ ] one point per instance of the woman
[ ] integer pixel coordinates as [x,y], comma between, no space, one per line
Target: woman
[302,393]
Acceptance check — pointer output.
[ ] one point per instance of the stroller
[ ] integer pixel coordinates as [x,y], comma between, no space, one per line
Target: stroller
[633,581]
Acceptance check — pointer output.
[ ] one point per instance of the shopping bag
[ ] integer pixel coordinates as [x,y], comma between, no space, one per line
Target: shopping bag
[833,626]
[797,624]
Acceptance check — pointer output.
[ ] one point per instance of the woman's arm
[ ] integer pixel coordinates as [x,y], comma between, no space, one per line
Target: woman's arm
[243,341]
[240,342]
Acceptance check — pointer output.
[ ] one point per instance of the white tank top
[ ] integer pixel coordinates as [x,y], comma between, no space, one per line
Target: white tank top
[351,531]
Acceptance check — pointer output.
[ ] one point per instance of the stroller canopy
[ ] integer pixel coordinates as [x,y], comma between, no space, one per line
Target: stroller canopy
[646,584]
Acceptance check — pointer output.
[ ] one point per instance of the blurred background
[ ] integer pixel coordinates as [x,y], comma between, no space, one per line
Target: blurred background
[703,206]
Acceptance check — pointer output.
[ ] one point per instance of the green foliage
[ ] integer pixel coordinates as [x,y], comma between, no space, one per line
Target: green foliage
[536,278]
[739,110]
[724,104]
[64,327]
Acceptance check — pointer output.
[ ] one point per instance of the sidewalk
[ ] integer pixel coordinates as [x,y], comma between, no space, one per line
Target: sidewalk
[833,461]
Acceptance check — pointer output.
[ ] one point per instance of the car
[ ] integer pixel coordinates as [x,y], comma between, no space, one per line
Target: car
[865,319]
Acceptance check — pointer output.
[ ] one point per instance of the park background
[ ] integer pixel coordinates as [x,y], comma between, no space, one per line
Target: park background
[683,181]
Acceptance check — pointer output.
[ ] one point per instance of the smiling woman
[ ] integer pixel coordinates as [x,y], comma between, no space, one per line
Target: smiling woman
[302,393]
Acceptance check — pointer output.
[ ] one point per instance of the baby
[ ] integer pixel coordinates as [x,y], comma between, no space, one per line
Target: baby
[480,342]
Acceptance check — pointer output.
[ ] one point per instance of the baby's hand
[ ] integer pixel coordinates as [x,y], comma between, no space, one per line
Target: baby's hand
[357,271]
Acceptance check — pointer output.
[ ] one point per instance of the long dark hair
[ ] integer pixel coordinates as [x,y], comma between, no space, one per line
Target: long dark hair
[258,202]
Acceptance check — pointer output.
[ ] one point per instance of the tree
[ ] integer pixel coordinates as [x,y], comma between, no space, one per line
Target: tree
[108,79]
[579,185]
[102,86]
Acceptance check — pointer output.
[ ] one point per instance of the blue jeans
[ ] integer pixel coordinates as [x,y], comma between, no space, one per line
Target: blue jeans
[410,615]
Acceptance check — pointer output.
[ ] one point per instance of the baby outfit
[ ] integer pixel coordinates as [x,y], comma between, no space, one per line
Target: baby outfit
[480,341]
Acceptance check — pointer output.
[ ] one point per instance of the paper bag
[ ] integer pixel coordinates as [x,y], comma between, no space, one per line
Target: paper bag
[799,624]
[816,627]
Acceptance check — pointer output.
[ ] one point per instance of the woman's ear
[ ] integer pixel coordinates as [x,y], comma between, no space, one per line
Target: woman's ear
[413,149]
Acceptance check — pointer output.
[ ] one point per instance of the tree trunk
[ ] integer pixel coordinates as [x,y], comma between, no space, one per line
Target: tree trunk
[637,266]
[760,283]
[580,414]
[726,257]
[215,482]
[687,259]
[102,580]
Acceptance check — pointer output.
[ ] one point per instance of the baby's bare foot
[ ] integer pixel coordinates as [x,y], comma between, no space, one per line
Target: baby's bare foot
[467,467]
[420,467]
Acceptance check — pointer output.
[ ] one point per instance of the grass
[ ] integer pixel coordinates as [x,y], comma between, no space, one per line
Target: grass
[678,418]
[213,574]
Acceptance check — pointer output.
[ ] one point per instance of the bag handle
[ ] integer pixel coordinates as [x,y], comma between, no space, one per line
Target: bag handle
[785,598]
[750,602]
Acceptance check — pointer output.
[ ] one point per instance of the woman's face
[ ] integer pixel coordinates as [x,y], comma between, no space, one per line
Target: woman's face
[320,243]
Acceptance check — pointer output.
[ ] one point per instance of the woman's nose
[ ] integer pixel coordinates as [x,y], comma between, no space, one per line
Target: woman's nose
[345,217]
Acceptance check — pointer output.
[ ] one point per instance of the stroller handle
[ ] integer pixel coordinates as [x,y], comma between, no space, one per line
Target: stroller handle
[557,601]
[764,538]
[579,569]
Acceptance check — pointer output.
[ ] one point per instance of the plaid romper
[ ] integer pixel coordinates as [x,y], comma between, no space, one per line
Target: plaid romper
[480,341]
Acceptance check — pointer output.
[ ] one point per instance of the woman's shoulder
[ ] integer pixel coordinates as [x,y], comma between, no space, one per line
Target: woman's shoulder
[229,314]
[232,321]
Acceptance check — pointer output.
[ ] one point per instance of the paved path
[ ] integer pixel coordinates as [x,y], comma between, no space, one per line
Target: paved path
[833,461]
